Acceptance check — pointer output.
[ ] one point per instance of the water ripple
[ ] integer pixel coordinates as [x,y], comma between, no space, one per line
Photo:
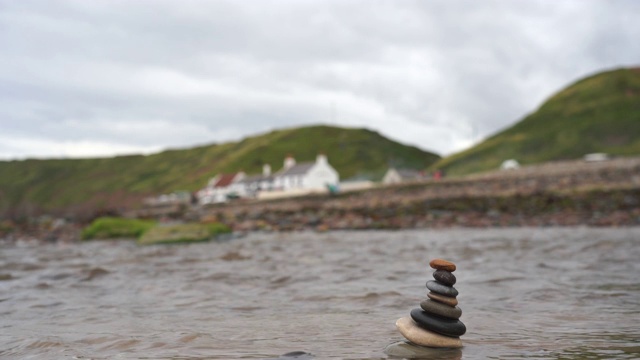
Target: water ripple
[537,293]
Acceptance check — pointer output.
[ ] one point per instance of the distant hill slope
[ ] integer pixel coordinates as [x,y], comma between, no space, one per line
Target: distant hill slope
[82,186]
[600,113]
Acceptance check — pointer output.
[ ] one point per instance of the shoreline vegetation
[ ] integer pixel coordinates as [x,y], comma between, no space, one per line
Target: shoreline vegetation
[114,228]
[183,233]
[150,232]
[565,193]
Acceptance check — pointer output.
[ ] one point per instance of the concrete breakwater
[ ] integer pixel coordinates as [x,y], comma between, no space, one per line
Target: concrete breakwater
[553,194]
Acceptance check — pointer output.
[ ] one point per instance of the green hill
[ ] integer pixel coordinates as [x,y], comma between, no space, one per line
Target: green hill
[600,113]
[84,186]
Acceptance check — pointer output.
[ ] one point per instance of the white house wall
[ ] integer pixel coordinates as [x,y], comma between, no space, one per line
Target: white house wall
[391,177]
[289,182]
[213,196]
[237,188]
[319,176]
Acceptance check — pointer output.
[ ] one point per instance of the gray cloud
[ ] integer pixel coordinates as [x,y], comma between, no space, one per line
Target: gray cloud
[93,78]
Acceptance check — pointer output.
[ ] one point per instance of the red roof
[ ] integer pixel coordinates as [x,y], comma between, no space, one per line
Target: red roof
[225,180]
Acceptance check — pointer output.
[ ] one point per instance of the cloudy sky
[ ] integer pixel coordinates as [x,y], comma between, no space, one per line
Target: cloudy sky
[94,78]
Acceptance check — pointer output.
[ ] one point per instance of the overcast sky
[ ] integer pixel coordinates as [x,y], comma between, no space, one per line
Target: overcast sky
[96,78]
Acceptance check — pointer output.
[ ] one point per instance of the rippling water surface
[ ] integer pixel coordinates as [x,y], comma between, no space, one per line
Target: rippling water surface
[568,293]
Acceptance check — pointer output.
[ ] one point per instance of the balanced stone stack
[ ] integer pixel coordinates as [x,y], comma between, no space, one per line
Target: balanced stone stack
[436,323]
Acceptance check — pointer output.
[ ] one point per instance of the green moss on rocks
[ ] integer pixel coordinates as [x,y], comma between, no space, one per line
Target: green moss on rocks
[182,233]
[113,228]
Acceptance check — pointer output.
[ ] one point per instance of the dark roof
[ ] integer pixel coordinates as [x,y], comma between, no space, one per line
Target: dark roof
[255,178]
[225,180]
[297,169]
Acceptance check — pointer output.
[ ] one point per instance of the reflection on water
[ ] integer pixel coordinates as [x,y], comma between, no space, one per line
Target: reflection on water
[570,293]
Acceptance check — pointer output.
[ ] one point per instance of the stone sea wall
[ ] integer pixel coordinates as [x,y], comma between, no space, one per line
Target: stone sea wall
[554,194]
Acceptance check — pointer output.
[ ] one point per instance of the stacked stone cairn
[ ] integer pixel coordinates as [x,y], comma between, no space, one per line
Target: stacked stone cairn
[436,323]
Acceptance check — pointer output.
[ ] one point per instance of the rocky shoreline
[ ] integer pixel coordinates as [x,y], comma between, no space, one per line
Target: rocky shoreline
[553,194]
[594,208]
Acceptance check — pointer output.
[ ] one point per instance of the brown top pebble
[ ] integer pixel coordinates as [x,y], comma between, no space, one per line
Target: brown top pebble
[440,264]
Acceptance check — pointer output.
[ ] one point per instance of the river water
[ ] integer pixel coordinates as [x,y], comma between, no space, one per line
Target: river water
[526,293]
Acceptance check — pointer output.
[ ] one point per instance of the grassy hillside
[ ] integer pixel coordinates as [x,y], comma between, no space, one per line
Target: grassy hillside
[80,186]
[600,113]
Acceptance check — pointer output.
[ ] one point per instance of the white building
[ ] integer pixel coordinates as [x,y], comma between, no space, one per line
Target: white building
[510,164]
[318,175]
[596,157]
[221,187]
[254,184]
[292,180]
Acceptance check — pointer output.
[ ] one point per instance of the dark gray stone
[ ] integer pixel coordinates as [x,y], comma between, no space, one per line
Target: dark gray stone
[442,289]
[438,324]
[436,308]
[444,277]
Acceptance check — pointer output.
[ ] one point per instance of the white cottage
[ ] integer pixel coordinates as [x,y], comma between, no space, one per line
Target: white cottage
[254,184]
[510,164]
[221,187]
[318,175]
